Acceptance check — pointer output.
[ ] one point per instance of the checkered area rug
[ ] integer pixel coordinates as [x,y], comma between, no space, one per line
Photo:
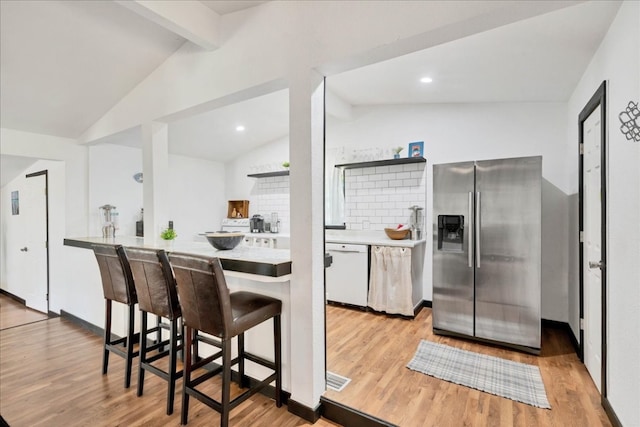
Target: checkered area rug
[513,380]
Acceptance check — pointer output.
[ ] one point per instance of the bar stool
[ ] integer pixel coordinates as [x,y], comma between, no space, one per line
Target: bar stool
[208,306]
[156,290]
[117,285]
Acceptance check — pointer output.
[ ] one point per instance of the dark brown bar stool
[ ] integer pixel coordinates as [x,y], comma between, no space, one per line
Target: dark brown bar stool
[117,285]
[156,290]
[208,306]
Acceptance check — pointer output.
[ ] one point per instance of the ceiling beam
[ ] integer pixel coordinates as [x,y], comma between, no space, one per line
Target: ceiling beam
[188,18]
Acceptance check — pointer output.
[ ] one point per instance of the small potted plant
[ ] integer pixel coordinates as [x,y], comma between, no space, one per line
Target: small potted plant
[285,164]
[168,234]
[396,152]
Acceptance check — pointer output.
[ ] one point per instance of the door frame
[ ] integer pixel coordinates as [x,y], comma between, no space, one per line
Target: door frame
[46,195]
[599,99]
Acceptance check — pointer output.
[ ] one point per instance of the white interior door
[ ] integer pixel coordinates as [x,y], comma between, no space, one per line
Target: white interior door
[34,208]
[592,246]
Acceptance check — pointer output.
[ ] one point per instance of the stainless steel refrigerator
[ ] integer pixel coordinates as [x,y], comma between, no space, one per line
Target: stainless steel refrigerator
[487,250]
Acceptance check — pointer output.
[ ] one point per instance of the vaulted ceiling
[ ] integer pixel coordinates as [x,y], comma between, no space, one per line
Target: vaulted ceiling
[64,64]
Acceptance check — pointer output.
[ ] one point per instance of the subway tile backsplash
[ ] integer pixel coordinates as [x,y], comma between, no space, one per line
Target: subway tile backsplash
[375,197]
[379,197]
[272,195]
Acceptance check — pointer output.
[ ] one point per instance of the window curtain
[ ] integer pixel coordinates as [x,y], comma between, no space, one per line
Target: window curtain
[334,188]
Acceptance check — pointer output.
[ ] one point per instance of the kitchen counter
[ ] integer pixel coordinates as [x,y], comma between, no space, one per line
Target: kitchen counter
[368,237]
[267,262]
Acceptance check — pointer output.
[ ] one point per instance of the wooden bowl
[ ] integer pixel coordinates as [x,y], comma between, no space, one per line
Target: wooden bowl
[394,234]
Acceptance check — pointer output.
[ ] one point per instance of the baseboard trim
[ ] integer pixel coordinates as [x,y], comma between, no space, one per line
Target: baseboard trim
[305,412]
[13,297]
[608,409]
[555,324]
[427,304]
[82,323]
[347,416]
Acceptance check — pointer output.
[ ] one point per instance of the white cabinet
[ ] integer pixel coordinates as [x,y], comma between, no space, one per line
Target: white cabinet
[347,277]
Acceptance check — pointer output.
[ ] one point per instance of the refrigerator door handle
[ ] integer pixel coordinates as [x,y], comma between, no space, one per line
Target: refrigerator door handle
[477,229]
[470,233]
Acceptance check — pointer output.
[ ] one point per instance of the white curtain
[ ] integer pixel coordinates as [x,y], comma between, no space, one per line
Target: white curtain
[334,188]
[390,283]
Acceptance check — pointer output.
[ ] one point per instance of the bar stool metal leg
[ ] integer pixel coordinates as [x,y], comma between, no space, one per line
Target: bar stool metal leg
[277,342]
[186,376]
[173,350]
[107,335]
[143,351]
[226,382]
[241,380]
[130,352]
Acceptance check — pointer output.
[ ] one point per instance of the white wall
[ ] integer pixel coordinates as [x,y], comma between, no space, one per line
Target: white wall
[239,186]
[617,61]
[68,183]
[12,226]
[265,195]
[196,190]
[460,132]
[197,194]
[111,170]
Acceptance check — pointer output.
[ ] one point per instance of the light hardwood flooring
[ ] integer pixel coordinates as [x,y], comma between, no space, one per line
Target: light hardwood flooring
[50,375]
[16,314]
[373,350]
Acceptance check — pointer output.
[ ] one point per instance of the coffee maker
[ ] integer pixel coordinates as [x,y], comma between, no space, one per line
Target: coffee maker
[257,224]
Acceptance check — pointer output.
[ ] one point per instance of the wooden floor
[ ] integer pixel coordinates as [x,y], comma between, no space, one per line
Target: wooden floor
[50,375]
[15,314]
[373,350]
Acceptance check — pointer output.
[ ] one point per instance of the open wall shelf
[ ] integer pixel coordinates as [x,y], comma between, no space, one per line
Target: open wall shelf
[387,162]
[268,174]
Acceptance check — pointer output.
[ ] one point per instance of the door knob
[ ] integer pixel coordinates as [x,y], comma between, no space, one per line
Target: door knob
[25,249]
[596,264]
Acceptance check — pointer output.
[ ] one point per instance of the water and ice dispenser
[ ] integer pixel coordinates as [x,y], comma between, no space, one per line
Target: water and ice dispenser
[450,233]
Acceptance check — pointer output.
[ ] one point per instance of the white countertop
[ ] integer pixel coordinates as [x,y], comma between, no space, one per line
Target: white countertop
[240,252]
[278,258]
[368,237]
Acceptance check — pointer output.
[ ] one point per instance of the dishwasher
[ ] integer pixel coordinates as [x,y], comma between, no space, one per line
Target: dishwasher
[347,280]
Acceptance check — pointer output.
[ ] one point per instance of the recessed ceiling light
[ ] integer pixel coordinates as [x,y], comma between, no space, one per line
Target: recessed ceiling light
[426,80]
[240,128]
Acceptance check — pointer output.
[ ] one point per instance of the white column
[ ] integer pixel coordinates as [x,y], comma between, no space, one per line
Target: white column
[306,152]
[155,169]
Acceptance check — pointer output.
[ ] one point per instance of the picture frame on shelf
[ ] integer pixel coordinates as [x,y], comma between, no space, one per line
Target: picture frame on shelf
[416,149]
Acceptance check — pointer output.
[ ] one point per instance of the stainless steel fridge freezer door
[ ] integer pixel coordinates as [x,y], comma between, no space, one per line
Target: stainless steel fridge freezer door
[509,228]
[453,264]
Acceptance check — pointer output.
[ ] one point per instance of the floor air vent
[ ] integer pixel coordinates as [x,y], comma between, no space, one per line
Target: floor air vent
[336,382]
